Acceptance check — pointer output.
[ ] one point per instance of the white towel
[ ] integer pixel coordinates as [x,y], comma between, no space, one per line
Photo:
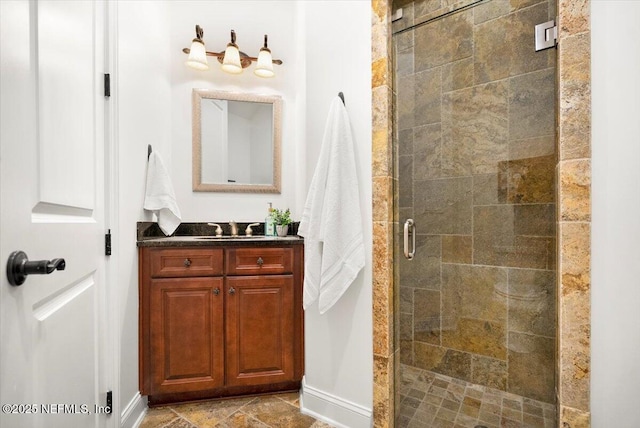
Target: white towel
[332,221]
[159,196]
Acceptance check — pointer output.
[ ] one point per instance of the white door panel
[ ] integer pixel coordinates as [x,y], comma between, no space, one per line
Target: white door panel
[66,67]
[52,332]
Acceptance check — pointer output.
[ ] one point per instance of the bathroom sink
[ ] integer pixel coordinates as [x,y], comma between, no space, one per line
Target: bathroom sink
[233,237]
[245,237]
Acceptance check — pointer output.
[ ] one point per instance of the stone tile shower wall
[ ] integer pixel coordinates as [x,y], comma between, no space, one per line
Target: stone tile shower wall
[475,114]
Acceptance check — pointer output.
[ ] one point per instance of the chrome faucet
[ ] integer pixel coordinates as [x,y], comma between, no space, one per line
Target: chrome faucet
[234,228]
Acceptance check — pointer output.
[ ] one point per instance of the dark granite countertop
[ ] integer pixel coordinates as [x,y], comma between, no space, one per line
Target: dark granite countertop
[203,235]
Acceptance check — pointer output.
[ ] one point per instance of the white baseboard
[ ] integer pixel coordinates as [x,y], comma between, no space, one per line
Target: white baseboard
[333,410]
[134,412]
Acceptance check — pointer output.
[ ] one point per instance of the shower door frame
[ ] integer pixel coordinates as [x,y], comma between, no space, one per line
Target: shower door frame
[573,204]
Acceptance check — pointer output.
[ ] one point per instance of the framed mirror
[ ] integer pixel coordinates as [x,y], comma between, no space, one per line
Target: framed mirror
[236,142]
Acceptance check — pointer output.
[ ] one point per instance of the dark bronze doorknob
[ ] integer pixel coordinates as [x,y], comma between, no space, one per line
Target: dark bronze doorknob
[19,266]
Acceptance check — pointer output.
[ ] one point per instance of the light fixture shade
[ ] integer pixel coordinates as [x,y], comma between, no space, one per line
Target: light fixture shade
[197,56]
[264,68]
[231,62]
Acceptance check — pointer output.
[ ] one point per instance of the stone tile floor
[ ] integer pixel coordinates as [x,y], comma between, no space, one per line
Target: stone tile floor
[431,400]
[267,411]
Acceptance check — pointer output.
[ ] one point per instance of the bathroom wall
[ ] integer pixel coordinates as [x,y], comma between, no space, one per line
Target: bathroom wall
[251,20]
[152,102]
[476,144]
[336,39]
[615,323]
[141,103]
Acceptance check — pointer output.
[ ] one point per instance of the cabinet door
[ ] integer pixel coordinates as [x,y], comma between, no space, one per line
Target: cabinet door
[187,342]
[260,342]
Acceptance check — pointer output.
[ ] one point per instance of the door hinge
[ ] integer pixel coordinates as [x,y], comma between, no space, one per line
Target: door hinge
[107,85]
[397,15]
[107,243]
[546,35]
[109,404]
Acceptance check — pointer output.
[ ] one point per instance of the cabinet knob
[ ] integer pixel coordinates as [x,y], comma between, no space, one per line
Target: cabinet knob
[187,262]
[216,291]
[232,290]
[260,261]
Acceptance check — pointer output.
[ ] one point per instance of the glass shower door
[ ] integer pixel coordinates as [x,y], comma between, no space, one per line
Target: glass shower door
[475,144]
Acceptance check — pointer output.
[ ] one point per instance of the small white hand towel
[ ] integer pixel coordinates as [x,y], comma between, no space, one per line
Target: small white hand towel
[160,197]
[332,220]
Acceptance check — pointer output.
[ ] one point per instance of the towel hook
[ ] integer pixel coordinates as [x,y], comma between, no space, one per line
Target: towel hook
[341,95]
[149,150]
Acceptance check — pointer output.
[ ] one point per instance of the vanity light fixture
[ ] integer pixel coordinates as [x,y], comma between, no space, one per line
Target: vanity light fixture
[233,60]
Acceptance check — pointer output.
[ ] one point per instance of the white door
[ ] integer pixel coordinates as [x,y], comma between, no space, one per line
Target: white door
[52,205]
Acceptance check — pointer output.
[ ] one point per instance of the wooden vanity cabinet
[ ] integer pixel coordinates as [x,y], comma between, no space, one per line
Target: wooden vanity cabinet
[220,321]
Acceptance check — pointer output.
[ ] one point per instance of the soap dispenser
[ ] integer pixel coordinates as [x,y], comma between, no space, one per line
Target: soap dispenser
[269,225]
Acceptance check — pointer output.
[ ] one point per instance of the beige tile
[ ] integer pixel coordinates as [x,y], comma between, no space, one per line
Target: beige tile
[476,336]
[524,59]
[503,45]
[383,397]
[432,50]
[380,72]
[241,420]
[427,152]
[486,189]
[528,180]
[531,101]
[444,206]
[532,147]
[532,421]
[427,97]
[457,249]
[492,60]
[530,360]
[292,398]
[532,302]
[489,372]
[210,413]
[574,357]
[574,132]
[457,75]
[473,292]
[158,417]
[382,104]
[426,316]
[575,190]
[405,182]
[573,418]
[180,423]
[381,153]
[382,192]
[405,89]
[424,270]
[574,16]
[475,129]
[424,7]
[497,242]
[575,252]
[275,412]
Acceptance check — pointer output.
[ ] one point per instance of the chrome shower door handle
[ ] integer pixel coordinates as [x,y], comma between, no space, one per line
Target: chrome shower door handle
[409,228]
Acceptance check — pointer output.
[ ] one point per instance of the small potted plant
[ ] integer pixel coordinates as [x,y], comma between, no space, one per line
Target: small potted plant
[282,220]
